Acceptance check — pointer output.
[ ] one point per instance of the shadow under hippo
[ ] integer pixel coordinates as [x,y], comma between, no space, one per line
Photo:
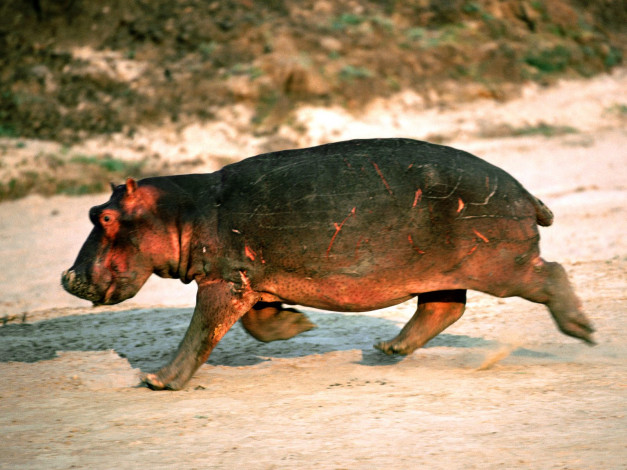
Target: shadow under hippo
[147,338]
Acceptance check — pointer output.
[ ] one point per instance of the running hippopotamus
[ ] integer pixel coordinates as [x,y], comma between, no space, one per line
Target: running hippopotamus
[349,226]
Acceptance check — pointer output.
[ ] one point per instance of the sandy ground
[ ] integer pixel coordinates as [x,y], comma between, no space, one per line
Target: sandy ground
[502,388]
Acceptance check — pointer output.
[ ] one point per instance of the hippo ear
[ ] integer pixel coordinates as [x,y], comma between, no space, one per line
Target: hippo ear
[131,186]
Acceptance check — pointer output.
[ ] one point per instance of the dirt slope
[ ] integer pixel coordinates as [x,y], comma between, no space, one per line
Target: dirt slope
[73,69]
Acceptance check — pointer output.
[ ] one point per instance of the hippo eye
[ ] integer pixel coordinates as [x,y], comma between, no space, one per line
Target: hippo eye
[106,218]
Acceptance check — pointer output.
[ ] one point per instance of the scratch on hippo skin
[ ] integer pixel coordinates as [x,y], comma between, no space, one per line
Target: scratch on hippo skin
[480,235]
[250,254]
[322,195]
[411,242]
[293,163]
[338,227]
[460,205]
[417,197]
[492,193]
[380,173]
[459,180]
[485,216]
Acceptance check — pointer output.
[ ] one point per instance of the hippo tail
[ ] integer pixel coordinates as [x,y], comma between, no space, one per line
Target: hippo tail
[544,216]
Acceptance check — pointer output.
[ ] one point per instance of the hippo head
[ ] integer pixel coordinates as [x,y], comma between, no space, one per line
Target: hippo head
[135,234]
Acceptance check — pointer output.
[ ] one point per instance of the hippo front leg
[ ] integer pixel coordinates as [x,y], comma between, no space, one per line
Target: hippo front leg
[218,307]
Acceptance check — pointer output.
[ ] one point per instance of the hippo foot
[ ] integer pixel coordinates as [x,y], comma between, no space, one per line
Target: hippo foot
[287,324]
[556,292]
[577,326]
[395,347]
[436,311]
[154,382]
[273,323]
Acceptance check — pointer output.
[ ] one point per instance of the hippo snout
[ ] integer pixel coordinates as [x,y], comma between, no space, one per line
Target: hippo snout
[67,278]
[78,285]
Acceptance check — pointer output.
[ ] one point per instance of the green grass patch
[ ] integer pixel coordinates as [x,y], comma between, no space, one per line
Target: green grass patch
[618,109]
[416,34]
[551,60]
[433,38]
[544,129]
[7,130]
[265,106]
[74,188]
[15,189]
[76,175]
[346,20]
[245,69]
[350,72]
[496,131]
[207,49]
[108,164]
[614,57]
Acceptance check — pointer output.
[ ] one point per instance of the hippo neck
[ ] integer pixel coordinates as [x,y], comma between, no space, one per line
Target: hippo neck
[191,200]
[198,194]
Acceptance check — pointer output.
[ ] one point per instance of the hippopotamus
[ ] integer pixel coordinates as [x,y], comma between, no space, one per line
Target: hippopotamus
[349,226]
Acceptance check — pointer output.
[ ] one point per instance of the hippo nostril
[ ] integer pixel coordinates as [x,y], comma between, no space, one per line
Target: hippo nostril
[68,274]
[67,278]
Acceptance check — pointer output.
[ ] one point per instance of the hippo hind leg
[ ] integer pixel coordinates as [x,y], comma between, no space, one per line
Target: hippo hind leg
[548,284]
[270,321]
[436,311]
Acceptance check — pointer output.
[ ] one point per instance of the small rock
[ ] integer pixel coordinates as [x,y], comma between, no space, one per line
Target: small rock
[331,44]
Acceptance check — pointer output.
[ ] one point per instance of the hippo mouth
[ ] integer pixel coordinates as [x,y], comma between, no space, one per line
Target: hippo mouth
[119,289]
[78,286]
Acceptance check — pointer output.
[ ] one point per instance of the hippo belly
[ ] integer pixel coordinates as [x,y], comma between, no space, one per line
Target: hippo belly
[337,292]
